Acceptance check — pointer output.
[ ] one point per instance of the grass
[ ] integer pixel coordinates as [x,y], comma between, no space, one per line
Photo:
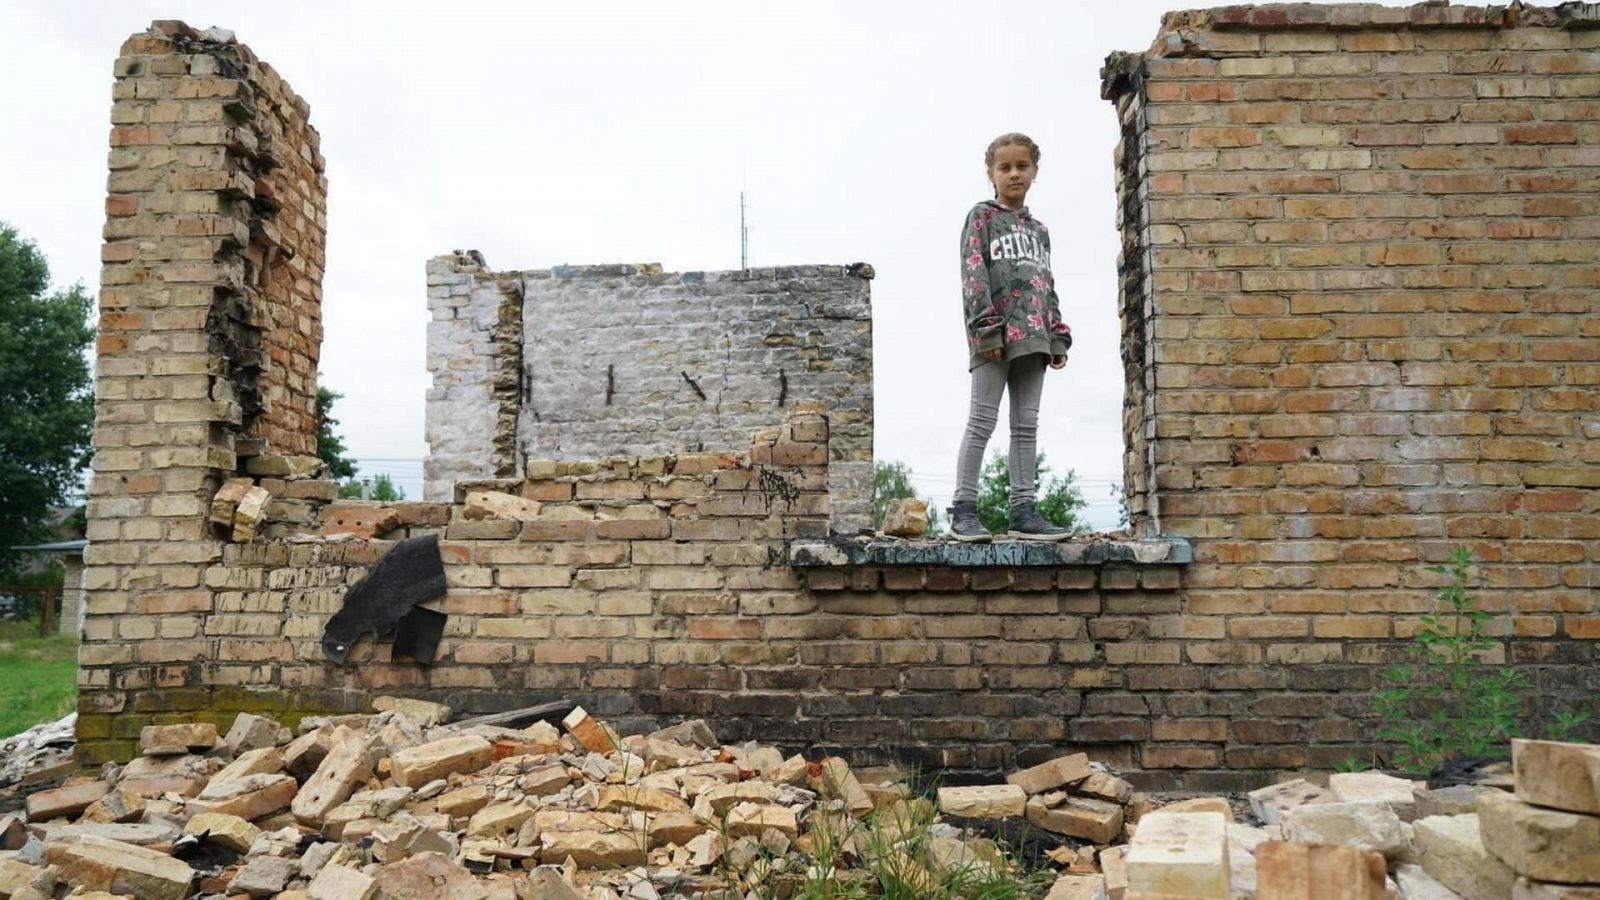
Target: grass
[38,677]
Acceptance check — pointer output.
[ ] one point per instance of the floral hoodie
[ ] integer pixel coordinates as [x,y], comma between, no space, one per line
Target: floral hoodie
[1007,290]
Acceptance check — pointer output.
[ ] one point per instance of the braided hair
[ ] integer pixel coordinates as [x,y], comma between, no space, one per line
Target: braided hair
[1007,140]
[1010,138]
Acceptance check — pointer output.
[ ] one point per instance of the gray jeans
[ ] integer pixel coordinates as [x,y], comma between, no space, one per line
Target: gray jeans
[1024,377]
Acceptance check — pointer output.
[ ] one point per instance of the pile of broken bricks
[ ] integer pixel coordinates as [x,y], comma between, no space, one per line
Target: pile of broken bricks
[1548,831]
[1371,836]
[401,805]
[1534,835]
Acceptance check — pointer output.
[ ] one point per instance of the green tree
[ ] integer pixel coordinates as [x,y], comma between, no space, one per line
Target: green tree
[330,447]
[47,410]
[892,481]
[1058,499]
[1120,494]
[383,489]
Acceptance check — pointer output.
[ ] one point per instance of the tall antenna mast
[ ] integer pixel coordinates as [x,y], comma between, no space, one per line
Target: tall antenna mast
[744,236]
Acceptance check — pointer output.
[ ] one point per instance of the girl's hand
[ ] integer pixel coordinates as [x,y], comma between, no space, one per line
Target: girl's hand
[1058,362]
[995,356]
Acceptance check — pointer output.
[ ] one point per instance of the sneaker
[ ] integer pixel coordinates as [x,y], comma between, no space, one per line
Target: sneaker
[1028,525]
[964,524]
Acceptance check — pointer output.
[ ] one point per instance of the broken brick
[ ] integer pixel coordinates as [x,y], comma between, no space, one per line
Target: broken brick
[172,740]
[416,766]
[1050,775]
[347,764]
[69,800]
[1286,871]
[250,797]
[989,801]
[101,864]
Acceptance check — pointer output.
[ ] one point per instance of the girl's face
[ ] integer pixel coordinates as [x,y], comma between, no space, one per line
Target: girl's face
[1012,174]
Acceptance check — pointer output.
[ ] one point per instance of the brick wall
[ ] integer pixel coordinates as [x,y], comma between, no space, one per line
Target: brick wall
[284,263]
[1360,244]
[212,284]
[654,589]
[585,361]
[1358,276]
[209,311]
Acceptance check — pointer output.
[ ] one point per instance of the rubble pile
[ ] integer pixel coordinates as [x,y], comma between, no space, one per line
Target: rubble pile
[41,752]
[1371,836]
[1549,831]
[399,804]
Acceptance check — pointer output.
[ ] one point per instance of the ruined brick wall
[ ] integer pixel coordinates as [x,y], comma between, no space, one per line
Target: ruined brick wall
[208,336]
[586,361]
[1359,272]
[214,234]
[654,589]
[284,266]
[1361,245]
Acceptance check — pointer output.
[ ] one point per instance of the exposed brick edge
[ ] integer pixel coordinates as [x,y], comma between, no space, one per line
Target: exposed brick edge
[1351,16]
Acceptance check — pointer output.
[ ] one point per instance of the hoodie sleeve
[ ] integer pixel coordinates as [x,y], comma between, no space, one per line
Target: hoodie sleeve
[1060,332]
[984,323]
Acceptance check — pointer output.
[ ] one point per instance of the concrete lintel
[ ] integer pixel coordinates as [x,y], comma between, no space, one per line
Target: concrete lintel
[840,552]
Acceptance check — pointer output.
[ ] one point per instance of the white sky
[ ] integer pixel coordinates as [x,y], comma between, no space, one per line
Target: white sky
[545,133]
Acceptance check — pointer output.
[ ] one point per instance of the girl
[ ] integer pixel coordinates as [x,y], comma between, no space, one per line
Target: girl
[1014,330]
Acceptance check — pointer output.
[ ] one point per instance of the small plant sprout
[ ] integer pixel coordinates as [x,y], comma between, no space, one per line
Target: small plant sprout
[1453,699]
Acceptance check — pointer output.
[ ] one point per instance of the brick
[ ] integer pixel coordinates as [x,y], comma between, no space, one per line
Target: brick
[114,807]
[589,732]
[250,732]
[1160,757]
[983,801]
[251,797]
[1398,794]
[1541,844]
[754,819]
[101,864]
[1289,870]
[1450,849]
[591,849]
[1053,774]
[499,505]
[1272,802]
[1561,776]
[346,765]
[64,802]
[1371,826]
[1180,854]
[633,529]
[336,882]
[226,830]
[365,522]
[416,766]
[1093,820]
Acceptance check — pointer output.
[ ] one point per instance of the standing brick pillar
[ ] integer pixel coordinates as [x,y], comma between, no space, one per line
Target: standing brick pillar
[1359,279]
[209,336]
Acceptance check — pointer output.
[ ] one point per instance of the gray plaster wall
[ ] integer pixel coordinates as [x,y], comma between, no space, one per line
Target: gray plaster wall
[627,359]
[474,357]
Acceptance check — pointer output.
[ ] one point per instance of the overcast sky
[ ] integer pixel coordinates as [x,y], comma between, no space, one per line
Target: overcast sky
[548,133]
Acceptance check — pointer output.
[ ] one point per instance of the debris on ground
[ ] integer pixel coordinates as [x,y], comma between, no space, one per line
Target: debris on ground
[399,804]
[40,753]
